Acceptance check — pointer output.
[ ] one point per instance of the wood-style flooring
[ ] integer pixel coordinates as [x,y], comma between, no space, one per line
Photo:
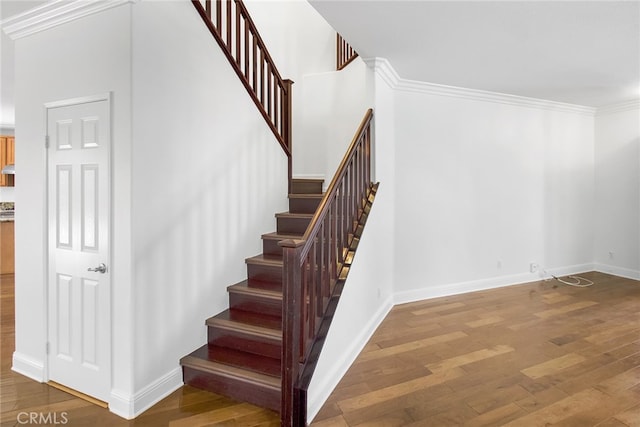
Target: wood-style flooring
[540,354]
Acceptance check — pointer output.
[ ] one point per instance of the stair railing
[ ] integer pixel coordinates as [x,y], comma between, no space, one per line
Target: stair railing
[345,54]
[234,30]
[315,268]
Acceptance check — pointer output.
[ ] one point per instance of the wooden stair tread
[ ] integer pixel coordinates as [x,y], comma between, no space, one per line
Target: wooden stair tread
[268,260]
[259,324]
[294,215]
[244,288]
[316,180]
[280,236]
[239,359]
[318,196]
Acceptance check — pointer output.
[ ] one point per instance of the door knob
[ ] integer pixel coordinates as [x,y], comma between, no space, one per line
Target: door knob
[99,269]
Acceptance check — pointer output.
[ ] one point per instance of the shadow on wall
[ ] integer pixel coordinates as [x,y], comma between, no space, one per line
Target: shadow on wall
[198,244]
[618,204]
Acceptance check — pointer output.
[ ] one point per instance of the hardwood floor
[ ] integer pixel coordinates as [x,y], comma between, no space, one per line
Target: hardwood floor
[536,354]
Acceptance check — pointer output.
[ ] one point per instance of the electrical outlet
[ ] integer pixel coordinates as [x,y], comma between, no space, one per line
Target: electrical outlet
[533,267]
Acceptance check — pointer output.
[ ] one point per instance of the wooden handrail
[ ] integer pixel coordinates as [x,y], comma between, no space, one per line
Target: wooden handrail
[244,48]
[345,54]
[315,267]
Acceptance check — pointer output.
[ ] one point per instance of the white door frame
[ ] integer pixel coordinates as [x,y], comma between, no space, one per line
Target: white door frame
[65,103]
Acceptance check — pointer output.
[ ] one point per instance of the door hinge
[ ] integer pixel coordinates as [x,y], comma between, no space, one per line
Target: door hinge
[47,348]
[46,141]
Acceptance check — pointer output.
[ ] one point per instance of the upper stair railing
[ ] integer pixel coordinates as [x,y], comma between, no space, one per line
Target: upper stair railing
[345,54]
[232,27]
[315,268]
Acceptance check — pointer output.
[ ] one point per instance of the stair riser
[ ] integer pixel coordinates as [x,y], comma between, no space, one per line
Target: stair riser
[292,225]
[304,187]
[237,340]
[256,304]
[252,393]
[264,273]
[270,247]
[303,205]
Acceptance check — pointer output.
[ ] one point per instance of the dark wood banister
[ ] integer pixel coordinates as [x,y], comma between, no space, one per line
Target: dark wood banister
[314,270]
[260,76]
[345,54]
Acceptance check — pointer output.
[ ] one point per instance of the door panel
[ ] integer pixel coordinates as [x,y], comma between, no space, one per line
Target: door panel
[79,218]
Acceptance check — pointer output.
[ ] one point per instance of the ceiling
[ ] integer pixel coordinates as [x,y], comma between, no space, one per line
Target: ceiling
[578,52]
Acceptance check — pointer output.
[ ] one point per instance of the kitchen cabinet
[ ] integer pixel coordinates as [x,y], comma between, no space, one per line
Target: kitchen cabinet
[7,247]
[7,157]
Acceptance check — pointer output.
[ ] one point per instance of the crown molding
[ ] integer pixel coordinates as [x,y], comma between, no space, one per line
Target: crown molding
[385,70]
[53,14]
[619,107]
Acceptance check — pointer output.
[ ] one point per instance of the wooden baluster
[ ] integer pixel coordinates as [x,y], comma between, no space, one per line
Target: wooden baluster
[367,158]
[238,36]
[305,316]
[261,76]
[269,90]
[255,62]
[321,263]
[229,44]
[312,294]
[318,274]
[276,96]
[246,49]
[219,16]
[288,111]
[207,8]
[334,248]
[339,53]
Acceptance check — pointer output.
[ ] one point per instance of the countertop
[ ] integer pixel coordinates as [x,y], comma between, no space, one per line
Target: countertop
[7,211]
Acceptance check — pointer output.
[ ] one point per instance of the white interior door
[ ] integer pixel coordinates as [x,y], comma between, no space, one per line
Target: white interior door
[79,320]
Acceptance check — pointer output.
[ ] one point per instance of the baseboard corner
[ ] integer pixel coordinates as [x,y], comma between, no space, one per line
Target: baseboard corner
[28,366]
[129,406]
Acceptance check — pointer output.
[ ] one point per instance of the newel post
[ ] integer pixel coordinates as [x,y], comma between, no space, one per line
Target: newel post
[291,303]
[287,124]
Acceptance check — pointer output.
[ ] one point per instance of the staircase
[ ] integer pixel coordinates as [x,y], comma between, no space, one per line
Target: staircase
[242,358]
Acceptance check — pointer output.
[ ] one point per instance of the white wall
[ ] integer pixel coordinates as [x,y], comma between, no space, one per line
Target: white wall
[333,105]
[82,57]
[484,189]
[208,177]
[617,178]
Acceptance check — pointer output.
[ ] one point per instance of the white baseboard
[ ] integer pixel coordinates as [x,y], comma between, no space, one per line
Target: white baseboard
[340,368]
[28,366]
[565,271]
[618,271]
[484,284]
[130,406]
[421,294]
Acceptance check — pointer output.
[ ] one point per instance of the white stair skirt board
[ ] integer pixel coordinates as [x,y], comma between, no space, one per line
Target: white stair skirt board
[340,367]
